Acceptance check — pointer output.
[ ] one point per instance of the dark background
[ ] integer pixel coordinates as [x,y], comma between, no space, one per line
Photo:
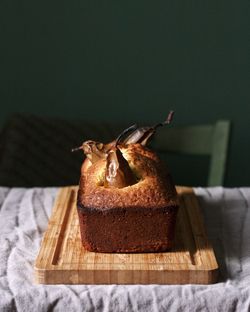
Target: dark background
[130,61]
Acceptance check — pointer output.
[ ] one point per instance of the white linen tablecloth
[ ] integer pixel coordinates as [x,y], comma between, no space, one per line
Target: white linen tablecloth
[24,215]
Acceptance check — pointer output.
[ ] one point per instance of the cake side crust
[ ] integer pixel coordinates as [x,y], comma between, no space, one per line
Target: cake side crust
[125,230]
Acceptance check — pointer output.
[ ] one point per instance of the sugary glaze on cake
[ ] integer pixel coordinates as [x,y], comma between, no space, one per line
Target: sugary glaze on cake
[153,188]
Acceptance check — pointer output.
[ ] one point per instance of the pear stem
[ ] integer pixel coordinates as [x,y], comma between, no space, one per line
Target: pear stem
[167,121]
[76,149]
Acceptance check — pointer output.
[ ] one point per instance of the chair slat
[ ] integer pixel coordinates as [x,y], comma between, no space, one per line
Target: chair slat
[219,153]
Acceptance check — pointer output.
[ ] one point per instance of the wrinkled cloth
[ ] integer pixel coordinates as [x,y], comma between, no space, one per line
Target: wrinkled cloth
[24,215]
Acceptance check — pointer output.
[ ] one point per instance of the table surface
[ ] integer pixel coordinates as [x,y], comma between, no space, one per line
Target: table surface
[24,215]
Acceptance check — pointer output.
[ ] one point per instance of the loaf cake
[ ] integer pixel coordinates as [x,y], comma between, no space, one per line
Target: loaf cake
[127,200]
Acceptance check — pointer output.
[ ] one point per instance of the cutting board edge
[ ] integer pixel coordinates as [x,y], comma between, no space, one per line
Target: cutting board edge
[126,277]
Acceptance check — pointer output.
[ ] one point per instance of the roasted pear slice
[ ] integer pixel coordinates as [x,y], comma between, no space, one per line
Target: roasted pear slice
[96,150]
[118,174]
[142,135]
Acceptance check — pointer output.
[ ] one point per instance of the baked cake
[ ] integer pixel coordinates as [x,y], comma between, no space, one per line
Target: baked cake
[127,200]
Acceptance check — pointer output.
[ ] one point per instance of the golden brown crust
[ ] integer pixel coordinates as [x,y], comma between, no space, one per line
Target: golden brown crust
[154,188]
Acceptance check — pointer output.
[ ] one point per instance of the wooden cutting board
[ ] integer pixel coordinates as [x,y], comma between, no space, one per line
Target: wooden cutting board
[63,260]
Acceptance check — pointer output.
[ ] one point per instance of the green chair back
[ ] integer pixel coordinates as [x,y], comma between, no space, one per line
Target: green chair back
[211,140]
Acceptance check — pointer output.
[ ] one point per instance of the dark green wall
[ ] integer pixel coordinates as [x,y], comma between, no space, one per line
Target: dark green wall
[130,61]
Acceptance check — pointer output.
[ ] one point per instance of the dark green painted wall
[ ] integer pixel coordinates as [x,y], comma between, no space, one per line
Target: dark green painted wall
[130,61]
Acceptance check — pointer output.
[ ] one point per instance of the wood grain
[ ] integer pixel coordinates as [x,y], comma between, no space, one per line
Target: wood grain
[63,260]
